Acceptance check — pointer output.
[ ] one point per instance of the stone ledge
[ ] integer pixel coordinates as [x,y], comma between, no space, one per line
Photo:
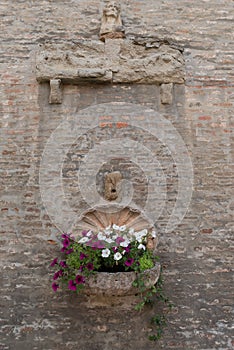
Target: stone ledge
[115,61]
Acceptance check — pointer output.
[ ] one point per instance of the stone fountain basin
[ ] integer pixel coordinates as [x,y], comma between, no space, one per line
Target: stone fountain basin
[120,283]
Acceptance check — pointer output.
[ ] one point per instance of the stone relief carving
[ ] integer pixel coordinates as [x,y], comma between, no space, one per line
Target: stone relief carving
[112,185]
[115,61]
[111,25]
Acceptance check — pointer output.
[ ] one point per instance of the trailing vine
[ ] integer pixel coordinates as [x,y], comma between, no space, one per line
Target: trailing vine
[148,297]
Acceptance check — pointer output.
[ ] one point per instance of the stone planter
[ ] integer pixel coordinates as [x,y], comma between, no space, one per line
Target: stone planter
[106,288]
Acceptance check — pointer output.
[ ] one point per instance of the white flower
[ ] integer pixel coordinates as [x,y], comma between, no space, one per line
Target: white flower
[105,253]
[115,227]
[122,228]
[139,239]
[101,236]
[109,240]
[125,243]
[141,246]
[108,228]
[89,233]
[83,240]
[131,231]
[153,234]
[117,256]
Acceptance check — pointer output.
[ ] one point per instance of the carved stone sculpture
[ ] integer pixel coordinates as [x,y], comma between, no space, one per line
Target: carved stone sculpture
[119,61]
[112,185]
[111,26]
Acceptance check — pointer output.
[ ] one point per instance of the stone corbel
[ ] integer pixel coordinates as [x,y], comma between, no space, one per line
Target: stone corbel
[55,91]
[166,93]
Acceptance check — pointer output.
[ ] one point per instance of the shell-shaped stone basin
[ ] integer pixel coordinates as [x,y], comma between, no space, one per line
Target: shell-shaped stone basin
[101,217]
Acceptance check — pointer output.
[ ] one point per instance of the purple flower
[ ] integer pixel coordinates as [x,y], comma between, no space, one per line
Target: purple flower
[129,262]
[66,242]
[80,279]
[71,285]
[69,251]
[127,249]
[55,286]
[90,266]
[84,233]
[82,256]
[57,274]
[98,245]
[119,240]
[115,249]
[54,262]
[63,263]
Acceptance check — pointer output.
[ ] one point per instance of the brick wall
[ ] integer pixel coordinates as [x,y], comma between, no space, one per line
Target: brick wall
[197,255]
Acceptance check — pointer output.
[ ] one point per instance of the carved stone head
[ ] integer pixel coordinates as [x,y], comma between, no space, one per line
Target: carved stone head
[112,185]
[111,26]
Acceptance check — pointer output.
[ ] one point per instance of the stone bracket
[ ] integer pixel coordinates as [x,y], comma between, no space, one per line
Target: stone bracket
[166,93]
[118,61]
[55,91]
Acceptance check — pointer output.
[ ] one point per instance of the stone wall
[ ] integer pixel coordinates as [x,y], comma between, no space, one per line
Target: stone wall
[196,255]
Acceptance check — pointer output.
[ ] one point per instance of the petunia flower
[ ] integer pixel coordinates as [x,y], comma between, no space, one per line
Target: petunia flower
[98,245]
[63,264]
[55,286]
[125,244]
[101,236]
[57,274]
[128,248]
[129,262]
[69,251]
[66,242]
[109,240]
[90,266]
[83,240]
[84,233]
[80,279]
[122,228]
[115,249]
[141,246]
[115,227]
[105,253]
[119,240]
[82,256]
[117,256]
[54,262]
[71,285]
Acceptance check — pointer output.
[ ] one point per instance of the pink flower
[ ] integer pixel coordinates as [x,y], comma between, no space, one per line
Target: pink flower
[129,262]
[119,240]
[98,245]
[82,256]
[57,274]
[63,264]
[90,266]
[80,279]
[54,262]
[69,251]
[71,285]
[55,286]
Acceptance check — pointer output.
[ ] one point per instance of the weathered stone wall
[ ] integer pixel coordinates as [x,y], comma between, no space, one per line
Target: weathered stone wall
[197,255]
